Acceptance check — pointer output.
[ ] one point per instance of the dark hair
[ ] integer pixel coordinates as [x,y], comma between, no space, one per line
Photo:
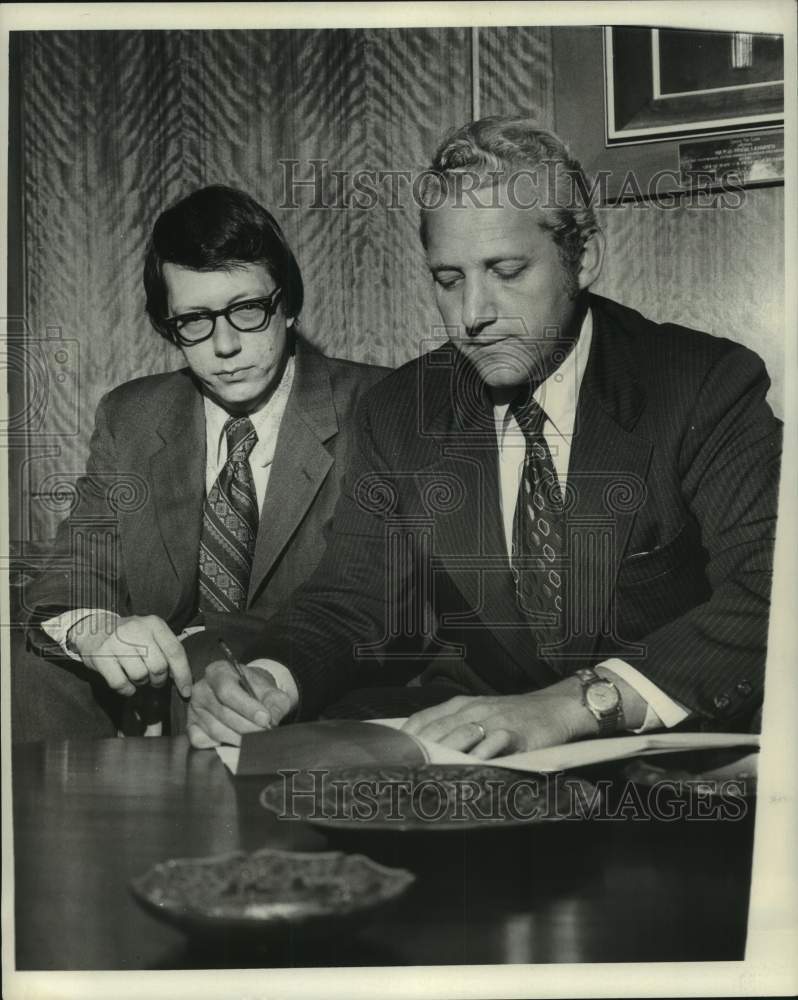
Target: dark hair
[492,148]
[213,229]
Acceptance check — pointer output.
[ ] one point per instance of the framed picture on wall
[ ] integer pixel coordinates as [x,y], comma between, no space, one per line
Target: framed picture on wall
[666,82]
[652,112]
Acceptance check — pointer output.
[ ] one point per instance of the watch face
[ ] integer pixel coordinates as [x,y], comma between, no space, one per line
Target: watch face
[602,698]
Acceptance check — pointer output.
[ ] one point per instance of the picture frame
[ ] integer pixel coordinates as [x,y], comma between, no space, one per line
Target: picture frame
[666,161]
[667,82]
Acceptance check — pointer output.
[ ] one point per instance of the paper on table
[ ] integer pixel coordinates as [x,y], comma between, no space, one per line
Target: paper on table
[229,757]
[568,755]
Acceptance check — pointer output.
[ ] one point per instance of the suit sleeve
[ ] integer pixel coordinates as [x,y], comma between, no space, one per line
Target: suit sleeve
[84,570]
[320,634]
[712,659]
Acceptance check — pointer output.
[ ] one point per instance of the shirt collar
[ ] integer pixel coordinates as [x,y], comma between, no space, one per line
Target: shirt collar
[558,394]
[266,421]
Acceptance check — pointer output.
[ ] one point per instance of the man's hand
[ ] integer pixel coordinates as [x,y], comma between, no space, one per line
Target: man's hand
[129,652]
[221,711]
[511,723]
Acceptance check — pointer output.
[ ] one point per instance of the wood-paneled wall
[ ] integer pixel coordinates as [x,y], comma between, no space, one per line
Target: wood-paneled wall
[716,269]
[114,126]
[118,125]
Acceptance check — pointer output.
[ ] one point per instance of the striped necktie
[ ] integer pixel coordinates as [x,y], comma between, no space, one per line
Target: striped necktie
[538,531]
[229,525]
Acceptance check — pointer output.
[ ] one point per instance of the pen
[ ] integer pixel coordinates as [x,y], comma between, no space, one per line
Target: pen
[231,659]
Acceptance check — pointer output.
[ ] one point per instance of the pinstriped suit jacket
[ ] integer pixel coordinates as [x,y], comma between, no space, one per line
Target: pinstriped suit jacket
[672,485]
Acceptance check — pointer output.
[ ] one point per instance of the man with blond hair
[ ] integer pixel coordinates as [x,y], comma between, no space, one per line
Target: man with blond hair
[588,498]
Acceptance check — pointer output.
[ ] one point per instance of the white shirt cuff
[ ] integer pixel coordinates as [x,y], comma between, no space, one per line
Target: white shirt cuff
[283,678]
[190,630]
[58,627]
[661,710]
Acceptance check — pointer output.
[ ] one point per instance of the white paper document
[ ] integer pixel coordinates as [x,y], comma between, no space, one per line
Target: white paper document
[566,756]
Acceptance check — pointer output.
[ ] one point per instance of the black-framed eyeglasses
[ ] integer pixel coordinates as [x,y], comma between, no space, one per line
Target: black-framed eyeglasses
[249,316]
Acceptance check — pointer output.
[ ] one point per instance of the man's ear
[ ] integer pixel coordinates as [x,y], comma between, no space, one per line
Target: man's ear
[289,322]
[592,259]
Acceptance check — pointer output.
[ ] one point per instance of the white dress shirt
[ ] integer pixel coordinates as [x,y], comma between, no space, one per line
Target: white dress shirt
[557,396]
[266,422]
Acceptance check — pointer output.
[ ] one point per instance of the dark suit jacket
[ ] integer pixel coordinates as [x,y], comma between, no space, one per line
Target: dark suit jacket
[672,487]
[131,542]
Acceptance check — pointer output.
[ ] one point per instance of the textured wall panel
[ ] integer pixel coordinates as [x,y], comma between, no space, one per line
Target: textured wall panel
[720,270]
[515,73]
[117,125]
[97,160]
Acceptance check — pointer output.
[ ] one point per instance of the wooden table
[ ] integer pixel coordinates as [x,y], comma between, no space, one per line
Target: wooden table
[89,816]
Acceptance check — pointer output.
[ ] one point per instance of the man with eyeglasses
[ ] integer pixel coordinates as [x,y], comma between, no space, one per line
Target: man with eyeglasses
[235,463]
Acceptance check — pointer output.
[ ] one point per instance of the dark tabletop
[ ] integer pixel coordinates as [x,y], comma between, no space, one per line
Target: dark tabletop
[90,816]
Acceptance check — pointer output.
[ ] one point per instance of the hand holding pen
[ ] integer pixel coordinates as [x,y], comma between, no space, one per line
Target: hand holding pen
[236,664]
[232,700]
[238,667]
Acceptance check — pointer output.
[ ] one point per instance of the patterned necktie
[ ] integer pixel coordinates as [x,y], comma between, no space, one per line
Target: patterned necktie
[538,531]
[229,525]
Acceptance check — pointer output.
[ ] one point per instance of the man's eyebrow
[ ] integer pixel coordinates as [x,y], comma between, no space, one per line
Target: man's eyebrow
[514,258]
[246,296]
[239,297]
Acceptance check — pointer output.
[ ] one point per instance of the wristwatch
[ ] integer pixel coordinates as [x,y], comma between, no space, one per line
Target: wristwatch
[602,699]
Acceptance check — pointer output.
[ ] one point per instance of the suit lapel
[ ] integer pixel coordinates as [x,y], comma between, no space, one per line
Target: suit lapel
[469,543]
[301,462]
[606,485]
[177,471]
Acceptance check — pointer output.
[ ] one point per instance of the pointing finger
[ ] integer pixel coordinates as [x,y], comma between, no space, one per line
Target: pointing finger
[175,655]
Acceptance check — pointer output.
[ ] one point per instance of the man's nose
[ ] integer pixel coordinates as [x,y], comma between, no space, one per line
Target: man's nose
[226,339]
[479,309]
